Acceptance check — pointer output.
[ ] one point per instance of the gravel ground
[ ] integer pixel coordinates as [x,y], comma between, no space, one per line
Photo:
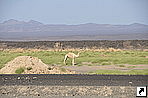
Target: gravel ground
[67,91]
[70,86]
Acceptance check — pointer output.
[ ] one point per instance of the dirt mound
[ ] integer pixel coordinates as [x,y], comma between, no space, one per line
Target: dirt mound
[31,65]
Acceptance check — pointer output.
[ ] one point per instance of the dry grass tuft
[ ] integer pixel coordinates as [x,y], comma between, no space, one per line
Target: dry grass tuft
[22,50]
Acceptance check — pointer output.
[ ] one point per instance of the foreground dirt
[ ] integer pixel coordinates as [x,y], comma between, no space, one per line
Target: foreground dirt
[70,86]
[32,65]
[71,91]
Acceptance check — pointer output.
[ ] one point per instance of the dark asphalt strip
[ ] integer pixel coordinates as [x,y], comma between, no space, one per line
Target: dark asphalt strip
[73,80]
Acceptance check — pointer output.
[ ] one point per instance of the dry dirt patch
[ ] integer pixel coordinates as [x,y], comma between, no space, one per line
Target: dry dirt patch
[32,65]
[86,69]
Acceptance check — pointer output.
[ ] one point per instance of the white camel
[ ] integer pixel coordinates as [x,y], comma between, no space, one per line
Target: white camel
[71,55]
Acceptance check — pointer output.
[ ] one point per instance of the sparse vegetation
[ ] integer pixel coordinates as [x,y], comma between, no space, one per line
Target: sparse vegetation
[20,70]
[95,57]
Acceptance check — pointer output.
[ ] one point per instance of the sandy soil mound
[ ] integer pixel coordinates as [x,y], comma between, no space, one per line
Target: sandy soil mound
[32,65]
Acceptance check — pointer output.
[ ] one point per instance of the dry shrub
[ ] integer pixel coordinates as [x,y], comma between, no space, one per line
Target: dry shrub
[105,50]
[95,50]
[34,50]
[113,50]
[21,50]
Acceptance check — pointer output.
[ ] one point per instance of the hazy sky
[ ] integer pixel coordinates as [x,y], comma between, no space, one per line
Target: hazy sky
[76,11]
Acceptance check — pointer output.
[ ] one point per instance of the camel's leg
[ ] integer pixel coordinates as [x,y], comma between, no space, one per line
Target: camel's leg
[73,61]
[65,59]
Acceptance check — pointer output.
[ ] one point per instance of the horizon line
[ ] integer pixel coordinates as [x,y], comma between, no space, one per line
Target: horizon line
[69,24]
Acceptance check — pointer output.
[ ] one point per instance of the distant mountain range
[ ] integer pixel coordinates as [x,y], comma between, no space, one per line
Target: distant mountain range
[34,30]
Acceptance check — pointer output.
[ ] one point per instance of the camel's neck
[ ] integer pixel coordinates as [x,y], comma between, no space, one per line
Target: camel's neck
[77,55]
